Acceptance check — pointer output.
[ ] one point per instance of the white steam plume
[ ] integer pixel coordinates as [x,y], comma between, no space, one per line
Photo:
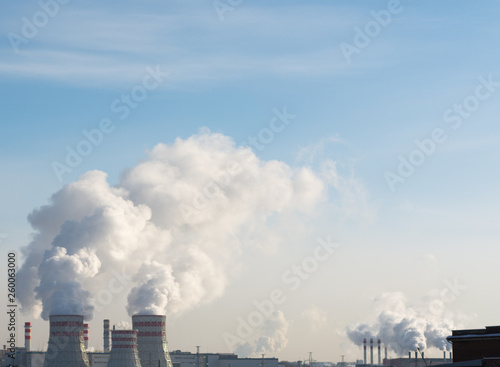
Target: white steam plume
[270,337]
[404,328]
[176,223]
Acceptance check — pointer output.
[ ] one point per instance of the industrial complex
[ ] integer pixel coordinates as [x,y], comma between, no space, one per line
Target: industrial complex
[145,345]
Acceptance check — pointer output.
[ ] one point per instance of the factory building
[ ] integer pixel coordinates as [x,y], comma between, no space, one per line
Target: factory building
[144,346]
[475,344]
[186,359]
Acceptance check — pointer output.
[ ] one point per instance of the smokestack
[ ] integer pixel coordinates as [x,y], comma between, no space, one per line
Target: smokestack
[124,352]
[409,355]
[27,336]
[451,357]
[416,359]
[86,336]
[444,355]
[364,350]
[378,342]
[385,352]
[66,346]
[371,351]
[151,340]
[106,336]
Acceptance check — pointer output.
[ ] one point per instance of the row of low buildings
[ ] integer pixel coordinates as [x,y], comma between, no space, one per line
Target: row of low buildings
[179,359]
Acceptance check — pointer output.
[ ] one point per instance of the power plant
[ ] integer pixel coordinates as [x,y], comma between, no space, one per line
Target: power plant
[124,350]
[151,340]
[66,345]
[145,345]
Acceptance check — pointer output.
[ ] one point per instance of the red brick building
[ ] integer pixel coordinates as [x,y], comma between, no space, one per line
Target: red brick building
[475,343]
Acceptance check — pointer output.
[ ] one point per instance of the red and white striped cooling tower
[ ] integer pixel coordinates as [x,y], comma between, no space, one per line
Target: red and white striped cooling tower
[124,351]
[151,340]
[66,345]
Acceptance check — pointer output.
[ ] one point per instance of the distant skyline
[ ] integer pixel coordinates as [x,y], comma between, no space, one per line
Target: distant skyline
[334,161]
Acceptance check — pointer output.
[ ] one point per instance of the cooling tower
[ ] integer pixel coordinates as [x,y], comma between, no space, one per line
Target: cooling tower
[66,347]
[124,349]
[151,340]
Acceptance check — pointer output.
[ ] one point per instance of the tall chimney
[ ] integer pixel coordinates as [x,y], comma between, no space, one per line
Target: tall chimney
[409,355]
[378,342]
[124,352]
[416,359]
[385,352]
[86,336]
[106,336]
[451,357]
[27,336]
[364,350]
[444,355]
[151,340]
[371,351]
[66,346]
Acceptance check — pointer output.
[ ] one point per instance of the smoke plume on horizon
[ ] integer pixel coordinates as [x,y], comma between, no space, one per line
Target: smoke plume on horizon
[176,223]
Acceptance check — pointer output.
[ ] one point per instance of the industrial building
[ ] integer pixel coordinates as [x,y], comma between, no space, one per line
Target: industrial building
[144,346]
[476,345]
[417,361]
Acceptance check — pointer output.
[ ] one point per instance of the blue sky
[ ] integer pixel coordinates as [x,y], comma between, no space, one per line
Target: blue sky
[228,75]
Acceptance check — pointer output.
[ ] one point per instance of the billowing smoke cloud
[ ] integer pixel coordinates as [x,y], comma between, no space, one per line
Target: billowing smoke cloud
[403,328]
[176,224]
[66,271]
[123,325]
[271,337]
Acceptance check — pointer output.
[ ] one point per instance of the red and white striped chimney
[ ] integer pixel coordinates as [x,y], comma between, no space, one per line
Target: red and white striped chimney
[27,336]
[364,350]
[86,336]
[371,351]
[378,342]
